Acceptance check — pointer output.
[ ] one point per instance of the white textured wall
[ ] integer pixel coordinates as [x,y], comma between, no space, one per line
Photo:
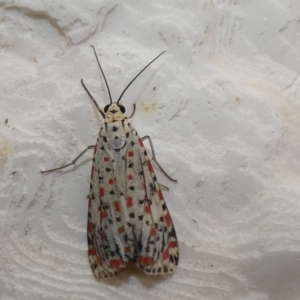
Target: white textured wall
[224,119]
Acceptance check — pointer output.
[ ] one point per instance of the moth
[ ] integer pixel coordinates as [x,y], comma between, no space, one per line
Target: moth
[128,220]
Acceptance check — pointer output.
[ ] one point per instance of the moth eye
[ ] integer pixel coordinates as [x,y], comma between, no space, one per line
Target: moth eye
[122,108]
[106,108]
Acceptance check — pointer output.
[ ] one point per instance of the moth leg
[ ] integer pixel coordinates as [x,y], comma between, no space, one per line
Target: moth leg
[71,163]
[147,137]
[164,187]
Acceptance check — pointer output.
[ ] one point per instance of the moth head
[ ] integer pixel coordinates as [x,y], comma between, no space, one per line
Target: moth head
[114,112]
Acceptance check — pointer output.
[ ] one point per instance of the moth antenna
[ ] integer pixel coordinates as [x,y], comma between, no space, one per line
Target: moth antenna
[139,75]
[102,75]
[95,102]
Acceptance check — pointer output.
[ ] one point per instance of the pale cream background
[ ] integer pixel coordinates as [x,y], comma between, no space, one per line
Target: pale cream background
[222,108]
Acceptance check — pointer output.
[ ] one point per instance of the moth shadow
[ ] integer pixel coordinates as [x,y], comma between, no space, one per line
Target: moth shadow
[148,281]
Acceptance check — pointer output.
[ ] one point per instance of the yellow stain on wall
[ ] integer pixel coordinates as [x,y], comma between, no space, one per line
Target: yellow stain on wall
[149,106]
[4,150]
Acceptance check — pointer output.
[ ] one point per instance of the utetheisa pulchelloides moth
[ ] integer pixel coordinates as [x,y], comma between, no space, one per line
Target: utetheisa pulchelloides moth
[128,219]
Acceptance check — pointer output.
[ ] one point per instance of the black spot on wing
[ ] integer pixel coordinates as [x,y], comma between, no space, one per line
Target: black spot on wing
[176,259]
[172,258]
[152,187]
[126,238]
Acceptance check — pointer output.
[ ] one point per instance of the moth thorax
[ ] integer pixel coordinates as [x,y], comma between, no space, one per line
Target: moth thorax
[114,118]
[117,135]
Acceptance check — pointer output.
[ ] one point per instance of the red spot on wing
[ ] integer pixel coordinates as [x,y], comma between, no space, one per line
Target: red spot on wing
[89,227]
[106,159]
[102,192]
[147,209]
[102,214]
[115,263]
[117,206]
[168,220]
[153,231]
[130,153]
[129,201]
[149,166]
[160,195]
[110,181]
[172,244]
[147,260]
[121,230]
[92,252]
[127,249]
[130,177]
[165,254]
[141,143]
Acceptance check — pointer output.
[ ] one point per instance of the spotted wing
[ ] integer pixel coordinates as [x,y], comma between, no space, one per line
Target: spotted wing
[156,242]
[128,219]
[105,240]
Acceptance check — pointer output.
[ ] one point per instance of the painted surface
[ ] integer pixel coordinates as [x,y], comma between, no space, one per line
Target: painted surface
[222,109]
